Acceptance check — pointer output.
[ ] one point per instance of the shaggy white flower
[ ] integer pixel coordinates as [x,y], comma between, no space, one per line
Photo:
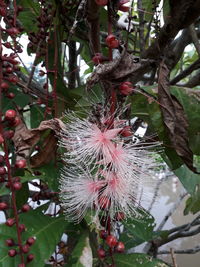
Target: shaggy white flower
[86,141]
[79,191]
[104,171]
[108,192]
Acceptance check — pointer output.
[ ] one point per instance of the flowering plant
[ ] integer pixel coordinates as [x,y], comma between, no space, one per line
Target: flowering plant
[104,170]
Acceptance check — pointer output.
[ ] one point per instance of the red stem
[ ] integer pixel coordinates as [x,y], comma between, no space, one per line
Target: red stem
[55,72]
[109,31]
[47,70]
[1,76]
[13,197]
[112,111]
[113,93]
[15,12]
[13,201]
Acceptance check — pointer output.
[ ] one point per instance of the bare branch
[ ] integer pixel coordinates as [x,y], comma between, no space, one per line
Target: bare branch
[157,188]
[194,81]
[186,226]
[141,25]
[171,211]
[195,39]
[180,234]
[72,64]
[79,14]
[173,257]
[181,16]
[94,26]
[34,65]
[186,72]
[182,251]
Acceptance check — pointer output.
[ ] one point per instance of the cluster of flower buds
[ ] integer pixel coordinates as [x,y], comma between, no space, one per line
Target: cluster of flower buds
[111,41]
[40,37]
[111,241]
[126,88]
[9,17]
[10,64]
[9,121]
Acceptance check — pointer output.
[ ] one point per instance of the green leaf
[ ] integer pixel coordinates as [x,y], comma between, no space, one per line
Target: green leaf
[191,183]
[50,174]
[149,8]
[189,179]
[6,233]
[20,99]
[22,195]
[166,9]
[28,16]
[78,251]
[37,115]
[34,6]
[138,260]
[138,230]
[45,229]
[4,190]
[193,203]
[28,20]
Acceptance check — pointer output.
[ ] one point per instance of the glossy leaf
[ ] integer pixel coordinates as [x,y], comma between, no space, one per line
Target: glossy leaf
[41,227]
[138,230]
[138,260]
[79,250]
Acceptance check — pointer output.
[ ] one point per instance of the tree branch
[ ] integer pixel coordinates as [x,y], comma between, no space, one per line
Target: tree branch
[94,26]
[171,211]
[141,25]
[72,64]
[194,37]
[194,81]
[186,72]
[173,257]
[181,16]
[157,188]
[182,251]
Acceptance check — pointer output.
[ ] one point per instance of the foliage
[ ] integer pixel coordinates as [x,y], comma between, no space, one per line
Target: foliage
[67,41]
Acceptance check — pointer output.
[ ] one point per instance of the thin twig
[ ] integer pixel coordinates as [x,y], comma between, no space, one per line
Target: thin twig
[181,251]
[171,211]
[156,193]
[195,39]
[173,257]
[79,11]
[185,227]
[186,72]
[34,65]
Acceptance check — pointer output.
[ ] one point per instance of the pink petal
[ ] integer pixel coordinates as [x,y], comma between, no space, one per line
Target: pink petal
[110,134]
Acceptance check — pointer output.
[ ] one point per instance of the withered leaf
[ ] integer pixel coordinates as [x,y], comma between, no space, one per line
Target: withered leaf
[120,68]
[46,153]
[174,118]
[25,139]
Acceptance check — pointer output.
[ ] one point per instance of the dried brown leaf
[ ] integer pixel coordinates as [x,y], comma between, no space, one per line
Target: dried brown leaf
[47,152]
[118,69]
[25,139]
[174,118]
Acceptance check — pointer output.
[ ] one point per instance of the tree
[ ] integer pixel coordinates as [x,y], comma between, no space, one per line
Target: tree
[136,68]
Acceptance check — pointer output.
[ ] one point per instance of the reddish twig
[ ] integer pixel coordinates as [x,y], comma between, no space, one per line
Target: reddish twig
[55,72]
[13,198]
